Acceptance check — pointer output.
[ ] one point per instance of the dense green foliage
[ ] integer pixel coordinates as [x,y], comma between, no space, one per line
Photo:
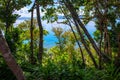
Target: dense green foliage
[67,60]
[7,9]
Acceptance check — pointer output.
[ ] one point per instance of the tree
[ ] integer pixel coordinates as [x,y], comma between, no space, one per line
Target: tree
[105,13]
[31,35]
[7,55]
[7,9]
[58,33]
[40,32]
[69,23]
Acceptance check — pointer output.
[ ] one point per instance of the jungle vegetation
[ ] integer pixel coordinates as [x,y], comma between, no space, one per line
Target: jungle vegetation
[77,55]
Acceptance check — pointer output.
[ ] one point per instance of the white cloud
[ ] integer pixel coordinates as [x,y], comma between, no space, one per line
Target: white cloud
[24,12]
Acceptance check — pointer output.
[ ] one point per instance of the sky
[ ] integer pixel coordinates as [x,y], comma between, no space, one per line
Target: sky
[24,14]
[50,39]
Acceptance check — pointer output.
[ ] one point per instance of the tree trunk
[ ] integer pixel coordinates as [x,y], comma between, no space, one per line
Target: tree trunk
[100,43]
[7,25]
[117,59]
[85,44]
[41,33]
[80,48]
[118,45]
[31,36]
[80,24]
[77,24]
[7,55]
[107,46]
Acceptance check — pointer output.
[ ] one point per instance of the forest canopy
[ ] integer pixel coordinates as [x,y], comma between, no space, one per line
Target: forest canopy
[76,55]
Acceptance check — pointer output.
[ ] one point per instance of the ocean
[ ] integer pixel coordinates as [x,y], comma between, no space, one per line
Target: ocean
[50,39]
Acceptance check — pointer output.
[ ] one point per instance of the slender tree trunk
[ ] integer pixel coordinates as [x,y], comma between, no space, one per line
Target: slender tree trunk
[100,44]
[80,24]
[31,34]
[75,19]
[117,59]
[41,33]
[7,55]
[100,28]
[85,44]
[107,40]
[107,46]
[7,25]
[103,29]
[118,45]
[80,48]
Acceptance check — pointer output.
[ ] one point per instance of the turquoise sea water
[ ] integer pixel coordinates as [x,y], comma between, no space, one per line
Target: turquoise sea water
[50,40]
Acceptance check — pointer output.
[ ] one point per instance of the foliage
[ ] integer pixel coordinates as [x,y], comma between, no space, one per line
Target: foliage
[8,7]
[56,71]
[63,61]
[5,70]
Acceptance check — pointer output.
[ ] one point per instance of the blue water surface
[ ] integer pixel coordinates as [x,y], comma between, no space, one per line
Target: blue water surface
[50,40]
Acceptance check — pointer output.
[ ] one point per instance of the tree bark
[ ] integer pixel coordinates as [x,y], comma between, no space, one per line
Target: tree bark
[31,36]
[7,25]
[75,16]
[118,45]
[78,24]
[41,33]
[80,48]
[107,46]
[85,44]
[7,55]
[100,43]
